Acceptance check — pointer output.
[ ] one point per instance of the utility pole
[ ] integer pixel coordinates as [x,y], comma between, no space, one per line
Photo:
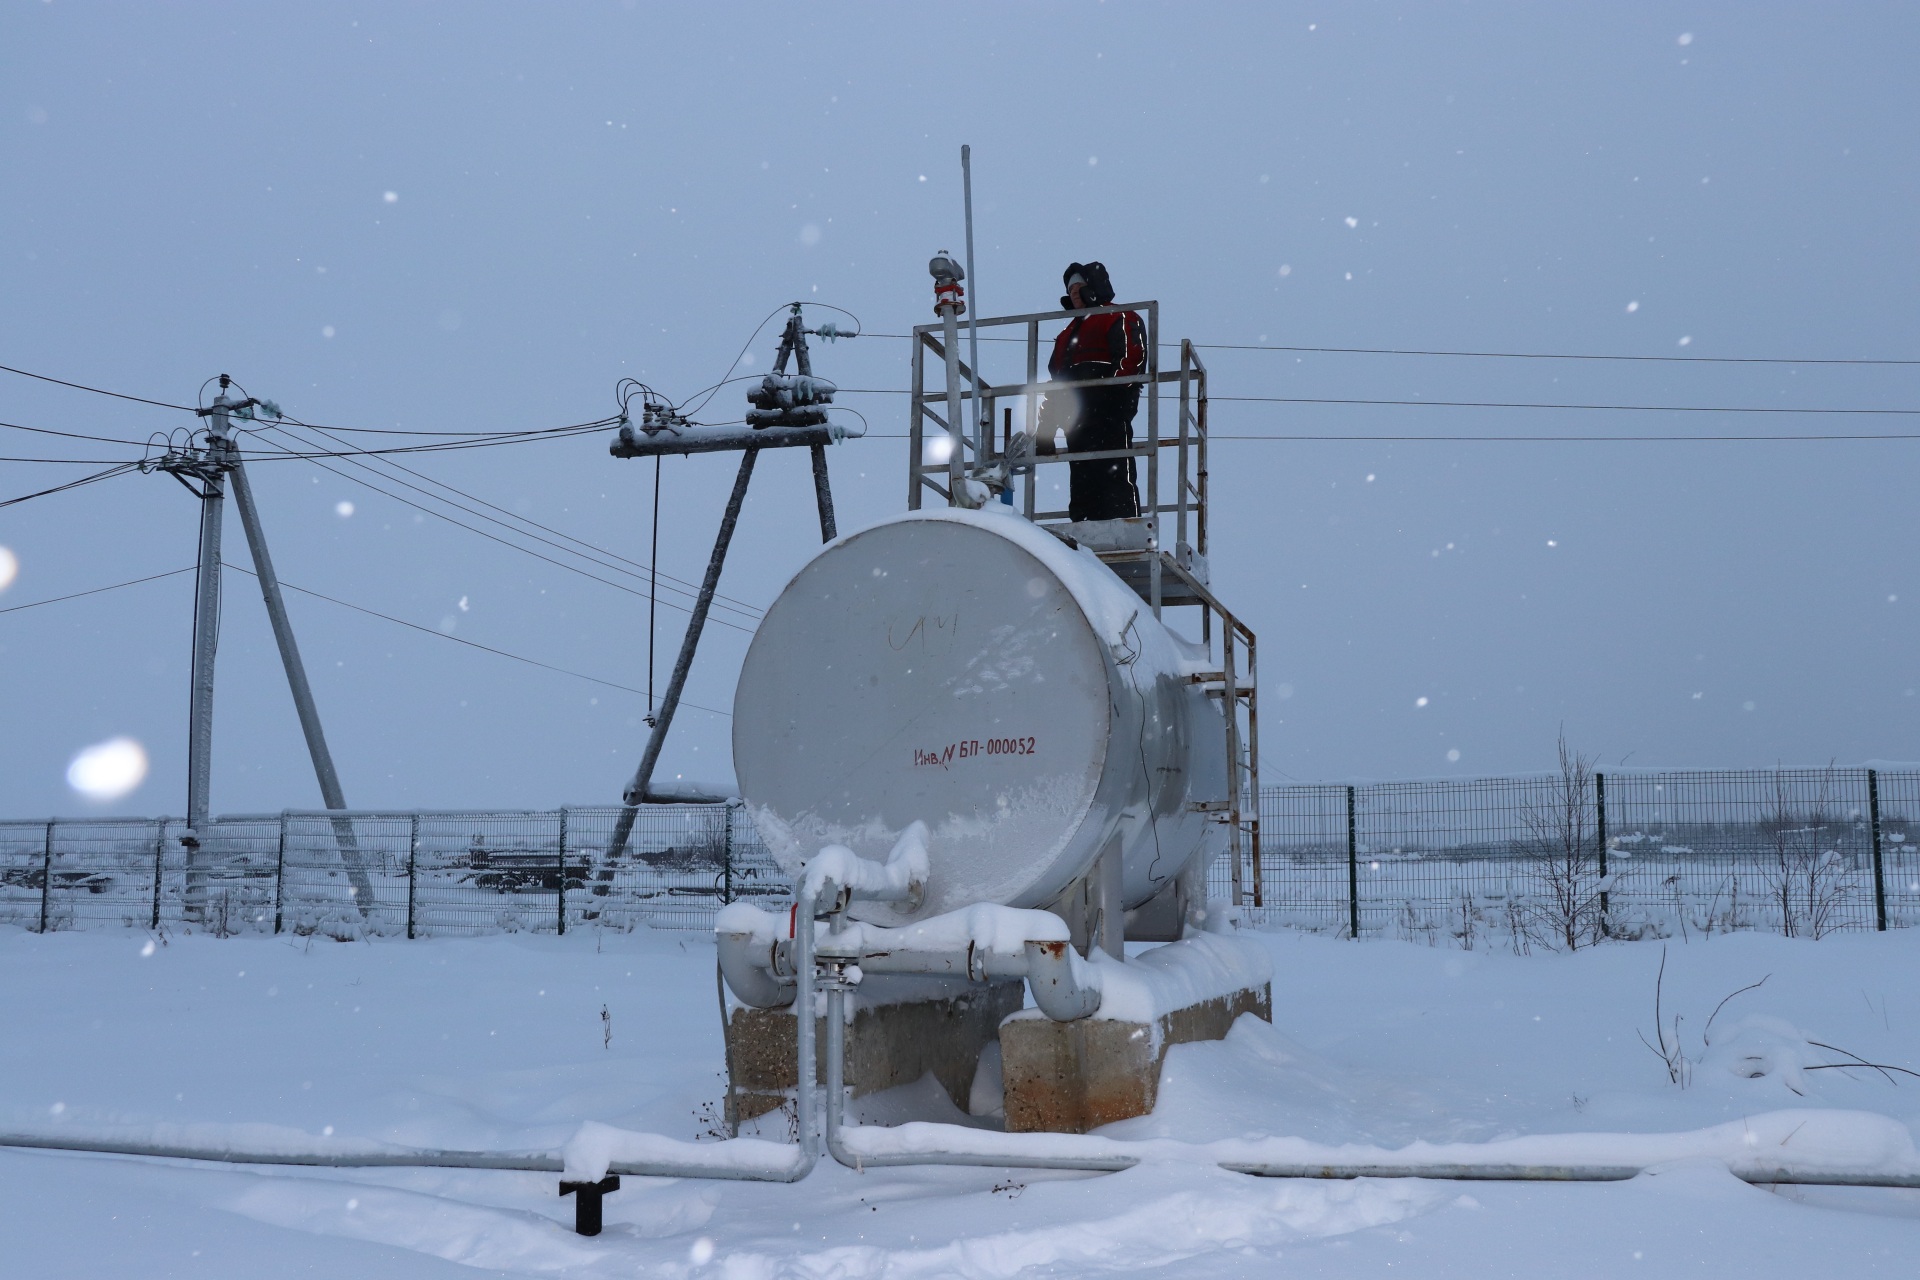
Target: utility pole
[323,771]
[789,410]
[210,468]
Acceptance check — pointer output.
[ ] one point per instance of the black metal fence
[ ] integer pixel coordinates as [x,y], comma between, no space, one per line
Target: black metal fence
[397,874]
[1558,860]
[1566,859]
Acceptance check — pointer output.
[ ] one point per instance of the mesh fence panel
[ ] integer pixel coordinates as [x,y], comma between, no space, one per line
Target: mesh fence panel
[1303,863]
[1899,838]
[225,885]
[1569,858]
[1787,850]
[1555,859]
[103,873]
[23,871]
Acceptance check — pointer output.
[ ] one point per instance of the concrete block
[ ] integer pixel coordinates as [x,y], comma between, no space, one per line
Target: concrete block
[902,1028]
[1070,1077]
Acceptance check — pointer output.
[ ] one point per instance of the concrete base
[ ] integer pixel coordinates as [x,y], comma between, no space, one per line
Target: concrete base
[1070,1077]
[902,1028]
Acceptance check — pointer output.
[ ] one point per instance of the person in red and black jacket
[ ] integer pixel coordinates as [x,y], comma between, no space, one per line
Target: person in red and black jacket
[1096,418]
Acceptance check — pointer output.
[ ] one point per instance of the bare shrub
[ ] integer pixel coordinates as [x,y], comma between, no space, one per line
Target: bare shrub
[1561,846]
[1666,1042]
[1469,927]
[1806,876]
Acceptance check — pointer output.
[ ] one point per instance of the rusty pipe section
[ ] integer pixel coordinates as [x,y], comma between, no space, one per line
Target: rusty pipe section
[1065,987]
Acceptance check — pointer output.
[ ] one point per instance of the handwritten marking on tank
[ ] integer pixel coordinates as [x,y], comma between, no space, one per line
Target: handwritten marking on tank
[935,634]
[970,748]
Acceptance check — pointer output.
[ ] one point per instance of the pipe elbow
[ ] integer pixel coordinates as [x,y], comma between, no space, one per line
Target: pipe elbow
[745,962]
[1065,987]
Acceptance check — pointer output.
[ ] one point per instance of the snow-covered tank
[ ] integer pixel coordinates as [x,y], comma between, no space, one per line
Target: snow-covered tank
[971,670]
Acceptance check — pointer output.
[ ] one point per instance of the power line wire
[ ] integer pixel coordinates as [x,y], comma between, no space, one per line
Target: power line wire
[688,407]
[686,588]
[108,474]
[1496,404]
[98,391]
[471,644]
[70,462]
[72,435]
[1606,408]
[132,582]
[1214,435]
[682,587]
[1495,355]
[470,442]
[1548,355]
[1431,439]
[440,515]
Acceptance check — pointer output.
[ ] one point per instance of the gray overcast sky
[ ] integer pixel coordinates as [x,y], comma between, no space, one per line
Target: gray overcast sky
[585,192]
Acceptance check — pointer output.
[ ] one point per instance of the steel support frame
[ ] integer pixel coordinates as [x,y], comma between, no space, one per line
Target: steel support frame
[964,386]
[793,344]
[1238,687]
[1237,681]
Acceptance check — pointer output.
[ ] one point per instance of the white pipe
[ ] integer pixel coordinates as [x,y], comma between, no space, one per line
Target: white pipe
[519,1161]
[804,1079]
[761,967]
[1064,987]
[998,1151]
[836,1117]
[1105,1157]
[751,966]
[837,1134]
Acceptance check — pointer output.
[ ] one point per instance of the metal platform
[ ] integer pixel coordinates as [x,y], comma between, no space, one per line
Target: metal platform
[1166,573]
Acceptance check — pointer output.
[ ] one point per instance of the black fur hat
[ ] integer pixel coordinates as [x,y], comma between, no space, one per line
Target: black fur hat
[1097,289]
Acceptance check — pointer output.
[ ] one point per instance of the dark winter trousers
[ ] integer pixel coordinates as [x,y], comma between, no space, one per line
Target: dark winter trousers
[1106,489]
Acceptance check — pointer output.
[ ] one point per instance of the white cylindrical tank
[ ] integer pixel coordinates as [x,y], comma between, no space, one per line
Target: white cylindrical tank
[970,670]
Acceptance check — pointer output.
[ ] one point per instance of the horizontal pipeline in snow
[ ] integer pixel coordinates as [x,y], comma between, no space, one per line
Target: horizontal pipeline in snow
[543,1162]
[516,1161]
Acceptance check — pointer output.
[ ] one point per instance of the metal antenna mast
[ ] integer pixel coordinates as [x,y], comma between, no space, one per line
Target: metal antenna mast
[211,468]
[982,418]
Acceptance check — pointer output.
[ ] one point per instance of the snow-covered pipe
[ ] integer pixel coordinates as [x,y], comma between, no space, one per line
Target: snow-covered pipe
[698,1160]
[1101,1162]
[751,962]
[978,944]
[711,1160]
[806,907]
[758,963]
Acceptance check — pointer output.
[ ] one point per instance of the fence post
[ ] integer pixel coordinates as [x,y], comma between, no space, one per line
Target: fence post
[413,857]
[1353,871]
[563,871]
[1879,874]
[159,862]
[46,874]
[1600,807]
[280,874]
[1238,891]
[726,865]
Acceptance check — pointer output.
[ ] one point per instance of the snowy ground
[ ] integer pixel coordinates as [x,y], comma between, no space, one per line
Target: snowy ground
[499,1042]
